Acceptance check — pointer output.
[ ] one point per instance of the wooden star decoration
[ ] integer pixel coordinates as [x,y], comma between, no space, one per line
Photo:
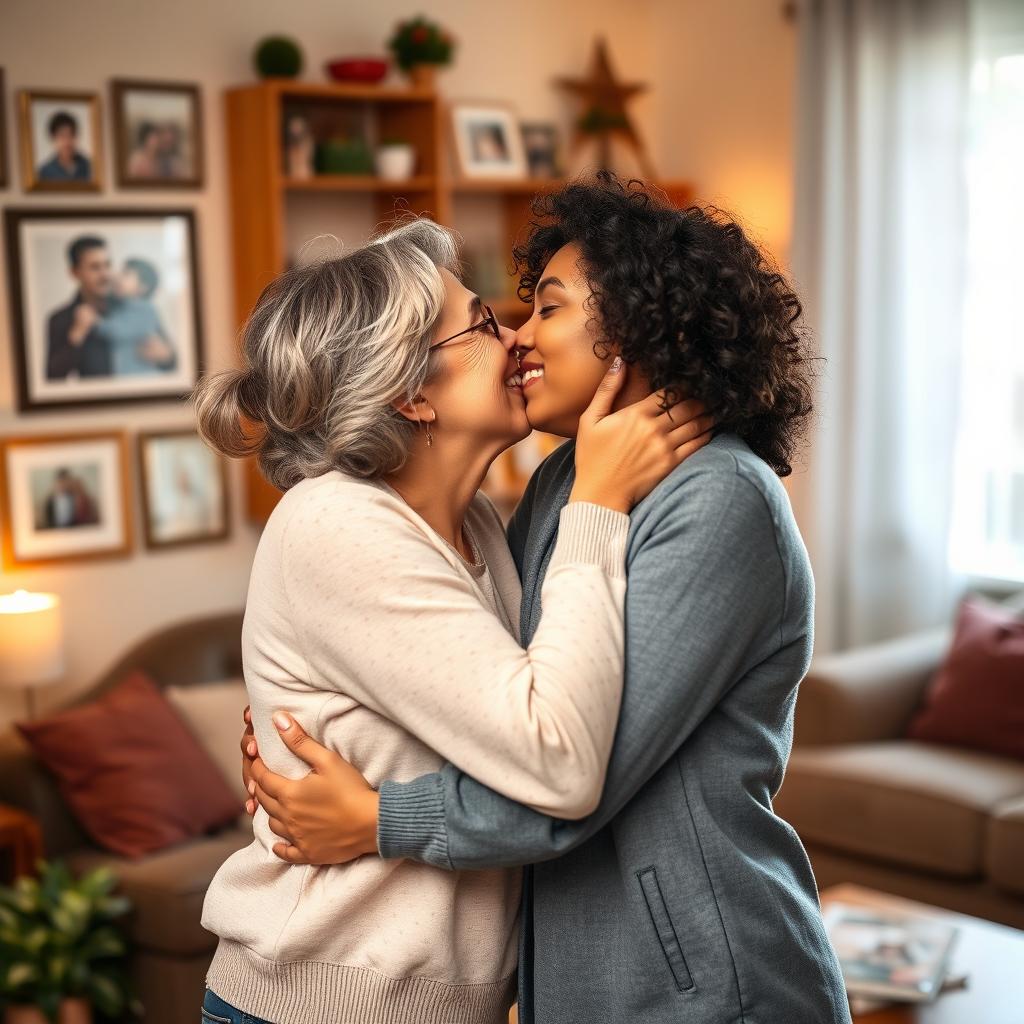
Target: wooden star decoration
[604,115]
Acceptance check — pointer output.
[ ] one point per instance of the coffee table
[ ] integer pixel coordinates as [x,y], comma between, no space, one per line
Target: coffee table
[992,956]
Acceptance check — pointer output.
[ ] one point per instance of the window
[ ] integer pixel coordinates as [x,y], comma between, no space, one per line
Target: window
[987,537]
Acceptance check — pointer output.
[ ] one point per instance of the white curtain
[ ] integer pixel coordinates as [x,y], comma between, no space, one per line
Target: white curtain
[878,258]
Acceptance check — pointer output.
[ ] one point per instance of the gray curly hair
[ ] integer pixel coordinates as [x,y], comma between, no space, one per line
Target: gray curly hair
[327,349]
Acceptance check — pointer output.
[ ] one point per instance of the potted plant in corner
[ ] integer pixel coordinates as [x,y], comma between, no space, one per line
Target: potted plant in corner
[61,955]
[420,47]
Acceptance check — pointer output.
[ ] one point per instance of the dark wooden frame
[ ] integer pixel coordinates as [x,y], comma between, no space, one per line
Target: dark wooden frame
[28,162]
[13,218]
[4,162]
[6,519]
[119,88]
[147,437]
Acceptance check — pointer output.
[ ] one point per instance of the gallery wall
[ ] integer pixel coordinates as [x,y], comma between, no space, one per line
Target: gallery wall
[731,135]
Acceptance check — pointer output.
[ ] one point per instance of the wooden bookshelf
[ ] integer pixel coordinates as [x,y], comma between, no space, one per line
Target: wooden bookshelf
[263,198]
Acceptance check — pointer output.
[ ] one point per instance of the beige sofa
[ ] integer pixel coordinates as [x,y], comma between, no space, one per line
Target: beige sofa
[171,951]
[934,823]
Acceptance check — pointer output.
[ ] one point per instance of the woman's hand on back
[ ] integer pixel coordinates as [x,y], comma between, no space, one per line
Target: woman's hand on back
[622,456]
[329,816]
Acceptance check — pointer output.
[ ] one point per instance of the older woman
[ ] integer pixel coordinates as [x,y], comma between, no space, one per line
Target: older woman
[380,615]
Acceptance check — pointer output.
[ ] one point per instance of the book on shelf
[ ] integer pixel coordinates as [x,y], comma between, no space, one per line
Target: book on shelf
[892,956]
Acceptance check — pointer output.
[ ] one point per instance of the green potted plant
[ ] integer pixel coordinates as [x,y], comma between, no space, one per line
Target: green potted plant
[420,46]
[61,955]
[277,57]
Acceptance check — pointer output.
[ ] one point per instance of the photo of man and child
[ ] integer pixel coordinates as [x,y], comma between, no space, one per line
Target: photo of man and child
[111,325]
[106,304]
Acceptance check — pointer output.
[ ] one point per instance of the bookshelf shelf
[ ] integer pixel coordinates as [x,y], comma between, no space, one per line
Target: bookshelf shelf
[261,210]
[358,183]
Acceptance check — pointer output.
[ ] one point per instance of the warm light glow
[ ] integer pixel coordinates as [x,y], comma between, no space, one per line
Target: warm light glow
[22,601]
[31,639]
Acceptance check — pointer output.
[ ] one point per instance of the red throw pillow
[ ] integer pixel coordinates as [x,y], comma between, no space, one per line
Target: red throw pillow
[131,772]
[977,697]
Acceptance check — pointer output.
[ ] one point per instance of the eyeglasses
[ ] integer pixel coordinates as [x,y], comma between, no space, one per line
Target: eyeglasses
[489,321]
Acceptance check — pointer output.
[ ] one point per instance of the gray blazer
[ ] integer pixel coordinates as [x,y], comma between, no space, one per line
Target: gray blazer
[683,898]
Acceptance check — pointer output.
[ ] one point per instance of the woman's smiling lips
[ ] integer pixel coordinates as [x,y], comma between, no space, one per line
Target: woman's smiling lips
[531,373]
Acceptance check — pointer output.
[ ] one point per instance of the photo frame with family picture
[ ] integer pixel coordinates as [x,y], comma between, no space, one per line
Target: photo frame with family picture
[158,133]
[488,143]
[64,497]
[542,149]
[184,489]
[105,305]
[61,141]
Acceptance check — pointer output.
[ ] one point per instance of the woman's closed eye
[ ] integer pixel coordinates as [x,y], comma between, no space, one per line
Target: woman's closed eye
[546,310]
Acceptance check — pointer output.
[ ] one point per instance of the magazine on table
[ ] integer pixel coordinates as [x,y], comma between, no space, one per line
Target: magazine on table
[890,955]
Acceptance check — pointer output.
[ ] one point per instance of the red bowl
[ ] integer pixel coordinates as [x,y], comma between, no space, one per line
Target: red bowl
[357,69]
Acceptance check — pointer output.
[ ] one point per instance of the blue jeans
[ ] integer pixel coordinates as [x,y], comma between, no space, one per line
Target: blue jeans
[216,1011]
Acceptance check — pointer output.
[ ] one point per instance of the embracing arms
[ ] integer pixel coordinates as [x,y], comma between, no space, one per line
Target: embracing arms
[706,599]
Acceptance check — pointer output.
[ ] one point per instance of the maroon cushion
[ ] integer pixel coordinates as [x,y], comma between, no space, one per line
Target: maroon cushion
[131,772]
[977,697]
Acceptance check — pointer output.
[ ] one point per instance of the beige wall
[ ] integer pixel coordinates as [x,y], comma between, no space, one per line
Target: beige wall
[725,75]
[707,116]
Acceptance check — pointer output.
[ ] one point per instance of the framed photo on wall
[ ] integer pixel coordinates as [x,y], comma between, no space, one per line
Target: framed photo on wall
[104,305]
[184,489]
[3,133]
[64,497]
[158,133]
[61,141]
[488,143]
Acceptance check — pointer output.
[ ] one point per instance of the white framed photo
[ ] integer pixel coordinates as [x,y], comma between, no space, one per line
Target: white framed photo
[64,497]
[61,141]
[105,305]
[184,489]
[488,143]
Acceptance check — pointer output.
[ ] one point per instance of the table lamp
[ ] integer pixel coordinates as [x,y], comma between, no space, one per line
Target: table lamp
[31,641]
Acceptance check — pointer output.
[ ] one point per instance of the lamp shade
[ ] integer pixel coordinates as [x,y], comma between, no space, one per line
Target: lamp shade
[31,639]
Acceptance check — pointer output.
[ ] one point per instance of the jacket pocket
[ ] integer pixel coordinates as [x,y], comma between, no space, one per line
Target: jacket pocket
[665,929]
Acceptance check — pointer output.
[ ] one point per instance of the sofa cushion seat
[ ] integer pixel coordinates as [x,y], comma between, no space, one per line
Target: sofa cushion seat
[1004,852]
[899,801]
[167,888]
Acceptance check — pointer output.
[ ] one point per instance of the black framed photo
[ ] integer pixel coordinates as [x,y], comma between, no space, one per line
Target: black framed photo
[158,132]
[105,305]
[184,489]
[61,141]
[3,132]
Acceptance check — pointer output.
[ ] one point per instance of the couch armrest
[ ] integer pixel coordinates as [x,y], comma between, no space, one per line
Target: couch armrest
[868,693]
[26,784]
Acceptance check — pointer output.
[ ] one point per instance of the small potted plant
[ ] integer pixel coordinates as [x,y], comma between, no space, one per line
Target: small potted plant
[395,160]
[61,955]
[420,47]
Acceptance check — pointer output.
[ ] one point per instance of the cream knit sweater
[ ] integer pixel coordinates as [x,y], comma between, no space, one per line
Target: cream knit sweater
[387,646]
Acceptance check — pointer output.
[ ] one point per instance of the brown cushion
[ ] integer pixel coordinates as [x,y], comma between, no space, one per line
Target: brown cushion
[131,772]
[899,801]
[167,889]
[976,699]
[1004,853]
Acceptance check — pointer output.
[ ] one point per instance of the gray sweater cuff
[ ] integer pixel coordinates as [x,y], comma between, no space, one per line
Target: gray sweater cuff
[410,821]
[591,534]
